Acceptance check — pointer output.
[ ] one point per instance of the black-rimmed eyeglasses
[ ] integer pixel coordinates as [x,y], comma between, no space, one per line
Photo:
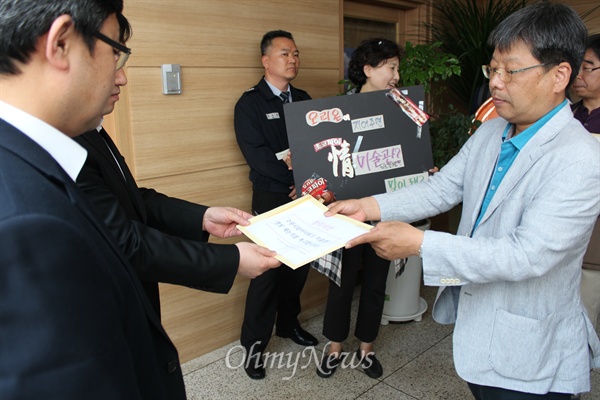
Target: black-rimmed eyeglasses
[588,70]
[121,52]
[506,76]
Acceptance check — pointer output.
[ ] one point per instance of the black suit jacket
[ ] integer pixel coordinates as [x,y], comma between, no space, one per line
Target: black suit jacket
[74,320]
[162,236]
[260,131]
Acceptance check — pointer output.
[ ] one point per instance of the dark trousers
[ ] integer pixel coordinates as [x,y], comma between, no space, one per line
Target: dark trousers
[494,393]
[336,324]
[274,297]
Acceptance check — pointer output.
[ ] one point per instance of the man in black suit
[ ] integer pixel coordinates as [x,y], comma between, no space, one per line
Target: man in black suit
[164,237]
[74,321]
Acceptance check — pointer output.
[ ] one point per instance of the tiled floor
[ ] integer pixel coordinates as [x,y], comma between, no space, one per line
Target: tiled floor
[416,358]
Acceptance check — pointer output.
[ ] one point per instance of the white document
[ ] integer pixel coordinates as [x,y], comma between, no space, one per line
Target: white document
[300,232]
[282,154]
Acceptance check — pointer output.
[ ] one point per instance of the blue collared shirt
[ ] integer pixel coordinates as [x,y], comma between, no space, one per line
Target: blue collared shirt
[277,92]
[509,150]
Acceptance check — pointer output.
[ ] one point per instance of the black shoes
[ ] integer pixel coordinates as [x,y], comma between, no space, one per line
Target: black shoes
[254,366]
[299,336]
[370,364]
[328,365]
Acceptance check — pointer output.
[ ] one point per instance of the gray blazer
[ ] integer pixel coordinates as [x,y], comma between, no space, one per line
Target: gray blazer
[520,324]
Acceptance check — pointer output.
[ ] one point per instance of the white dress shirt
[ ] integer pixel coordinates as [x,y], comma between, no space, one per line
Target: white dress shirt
[67,153]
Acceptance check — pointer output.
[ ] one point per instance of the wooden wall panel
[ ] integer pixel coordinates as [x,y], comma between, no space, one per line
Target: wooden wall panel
[216,187]
[195,130]
[199,322]
[178,134]
[227,33]
[318,83]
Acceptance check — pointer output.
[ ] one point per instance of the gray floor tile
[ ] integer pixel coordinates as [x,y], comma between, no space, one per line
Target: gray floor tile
[416,357]
[431,376]
[595,392]
[208,359]
[384,391]
[343,384]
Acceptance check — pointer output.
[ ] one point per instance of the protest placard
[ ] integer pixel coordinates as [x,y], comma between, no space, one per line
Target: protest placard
[358,145]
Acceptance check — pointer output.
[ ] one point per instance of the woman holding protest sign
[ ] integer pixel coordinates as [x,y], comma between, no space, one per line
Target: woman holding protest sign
[373,66]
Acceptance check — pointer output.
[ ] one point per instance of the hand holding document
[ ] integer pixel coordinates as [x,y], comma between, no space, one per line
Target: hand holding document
[300,232]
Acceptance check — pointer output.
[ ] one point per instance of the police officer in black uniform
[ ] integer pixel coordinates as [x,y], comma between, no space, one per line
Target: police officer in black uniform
[273,297]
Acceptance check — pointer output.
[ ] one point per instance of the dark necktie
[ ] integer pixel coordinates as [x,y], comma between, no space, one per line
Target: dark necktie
[285,97]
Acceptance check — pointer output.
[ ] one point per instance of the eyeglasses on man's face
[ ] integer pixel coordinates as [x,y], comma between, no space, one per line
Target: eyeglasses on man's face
[121,52]
[588,70]
[504,74]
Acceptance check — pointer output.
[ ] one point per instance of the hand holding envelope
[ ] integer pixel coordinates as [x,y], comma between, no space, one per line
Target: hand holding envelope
[300,232]
[391,240]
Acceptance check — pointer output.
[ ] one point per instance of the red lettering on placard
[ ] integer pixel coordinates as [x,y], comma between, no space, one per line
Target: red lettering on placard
[314,118]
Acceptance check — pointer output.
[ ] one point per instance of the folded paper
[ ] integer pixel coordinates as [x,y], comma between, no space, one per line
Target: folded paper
[300,232]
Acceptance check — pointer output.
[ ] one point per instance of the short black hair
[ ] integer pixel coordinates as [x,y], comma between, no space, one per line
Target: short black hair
[268,37]
[371,52]
[124,29]
[594,44]
[22,22]
[553,32]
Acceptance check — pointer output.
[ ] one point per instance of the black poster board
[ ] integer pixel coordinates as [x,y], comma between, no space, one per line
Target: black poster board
[373,145]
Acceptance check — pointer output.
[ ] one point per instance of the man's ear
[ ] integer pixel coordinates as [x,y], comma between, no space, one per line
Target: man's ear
[562,76]
[60,41]
[265,61]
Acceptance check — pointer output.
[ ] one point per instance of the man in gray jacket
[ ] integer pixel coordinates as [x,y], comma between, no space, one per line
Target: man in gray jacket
[529,182]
